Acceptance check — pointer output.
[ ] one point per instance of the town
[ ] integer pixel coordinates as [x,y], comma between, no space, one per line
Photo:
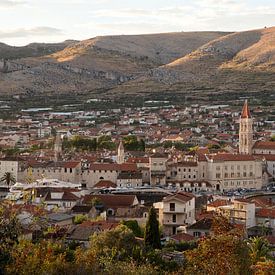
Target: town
[101,175]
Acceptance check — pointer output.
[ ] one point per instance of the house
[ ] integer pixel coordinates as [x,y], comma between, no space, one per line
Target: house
[201,228]
[266,217]
[175,211]
[112,205]
[241,211]
[157,164]
[82,233]
[60,219]
[182,237]
[129,179]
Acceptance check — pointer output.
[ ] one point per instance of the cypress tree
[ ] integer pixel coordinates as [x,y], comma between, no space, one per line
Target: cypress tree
[151,233]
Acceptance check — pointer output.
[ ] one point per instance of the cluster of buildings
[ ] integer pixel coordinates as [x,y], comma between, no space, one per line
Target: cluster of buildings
[182,186]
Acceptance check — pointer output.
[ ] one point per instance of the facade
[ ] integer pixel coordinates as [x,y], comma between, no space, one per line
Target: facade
[241,211]
[175,211]
[157,164]
[232,171]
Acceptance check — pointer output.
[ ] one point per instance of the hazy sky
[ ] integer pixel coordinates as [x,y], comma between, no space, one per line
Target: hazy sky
[25,21]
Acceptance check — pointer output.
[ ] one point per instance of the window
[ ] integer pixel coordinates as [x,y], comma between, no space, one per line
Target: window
[197,234]
[174,218]
[218,175]
[218,168]
[244,174]
[172,206]
[71,170]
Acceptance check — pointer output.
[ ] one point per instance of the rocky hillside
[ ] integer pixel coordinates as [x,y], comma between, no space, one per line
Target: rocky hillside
[136,64]
[32,50]
[242,60]
[101,62]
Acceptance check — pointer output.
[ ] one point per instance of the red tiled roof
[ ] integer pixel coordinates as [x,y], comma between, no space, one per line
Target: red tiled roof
[183,196]
[266,213]
[268,145]
[243,200]
[111,201]
[231,157]
[268,157]
[138,160]
[70,164]
[114,166]
[245,111]
[218,202]
[182,237]
[105,184]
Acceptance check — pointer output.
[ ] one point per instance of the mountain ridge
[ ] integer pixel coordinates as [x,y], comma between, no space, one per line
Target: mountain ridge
[148,63]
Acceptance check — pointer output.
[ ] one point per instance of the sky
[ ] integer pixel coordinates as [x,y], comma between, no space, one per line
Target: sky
[26,21]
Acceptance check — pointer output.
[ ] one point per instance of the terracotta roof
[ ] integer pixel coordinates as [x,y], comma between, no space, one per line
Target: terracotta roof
[138,160]
[111,201]
[105,184]
[230,157]
[243,200]
[267,145]
[268,157]
[266,213]
[182,237]
[114,166]
[218,202]
[183,196]
[245,111]
[70,164]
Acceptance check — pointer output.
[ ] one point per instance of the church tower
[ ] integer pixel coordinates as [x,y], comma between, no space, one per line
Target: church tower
[120,153]
[246,131]
[57,147]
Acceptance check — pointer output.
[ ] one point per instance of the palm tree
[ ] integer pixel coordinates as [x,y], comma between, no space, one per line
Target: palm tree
[8,178]
[258,248]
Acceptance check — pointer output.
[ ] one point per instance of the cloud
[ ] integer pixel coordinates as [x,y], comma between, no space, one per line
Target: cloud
[10,3]
[24,32]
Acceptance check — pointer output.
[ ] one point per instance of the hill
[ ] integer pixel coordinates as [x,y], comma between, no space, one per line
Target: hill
[32,50]
[101,62]
[237,61]
[137,64]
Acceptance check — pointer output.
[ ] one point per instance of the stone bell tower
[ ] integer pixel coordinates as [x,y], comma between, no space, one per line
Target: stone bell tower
[246,131]
[120,153]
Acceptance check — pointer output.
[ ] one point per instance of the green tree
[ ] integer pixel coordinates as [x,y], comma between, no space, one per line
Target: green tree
[10,230]
[117,243]
[152,234]
[133,225]
[8,178]
[78,219]
[258,249]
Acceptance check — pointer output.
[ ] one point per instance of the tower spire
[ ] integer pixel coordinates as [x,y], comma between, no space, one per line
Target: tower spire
[245,111]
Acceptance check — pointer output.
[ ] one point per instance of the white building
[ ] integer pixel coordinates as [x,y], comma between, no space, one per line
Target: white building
[175,211]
